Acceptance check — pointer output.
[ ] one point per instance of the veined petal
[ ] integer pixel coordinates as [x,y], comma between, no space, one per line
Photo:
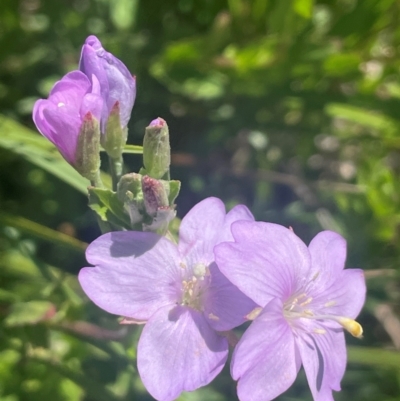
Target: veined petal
[265,261]
[225,306]
[239,212]
[199,230]
[328,257]
[178,351]
[324,359]
[136,273]
[39,119]
[65,127]
[205,226]
[74,81]
[344,297]
[265,361]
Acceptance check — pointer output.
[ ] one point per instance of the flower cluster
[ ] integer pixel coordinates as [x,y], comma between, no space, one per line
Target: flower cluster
[226,269]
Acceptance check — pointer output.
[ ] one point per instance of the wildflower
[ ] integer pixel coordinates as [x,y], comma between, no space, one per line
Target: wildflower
[178,290]
[118,87]
[305,299]
[69,118]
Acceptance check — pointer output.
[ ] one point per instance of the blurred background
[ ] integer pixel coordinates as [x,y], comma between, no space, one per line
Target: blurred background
[288,106]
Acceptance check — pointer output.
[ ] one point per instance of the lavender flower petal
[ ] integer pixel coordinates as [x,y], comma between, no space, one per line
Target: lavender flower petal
[200,228]
[239,212]
[116,82]
[225,306]
[266,361]
[59,118]
[178,351]
[328,257]
[345,296]
[267,260]
[136,273]
[206,225]
[324,359]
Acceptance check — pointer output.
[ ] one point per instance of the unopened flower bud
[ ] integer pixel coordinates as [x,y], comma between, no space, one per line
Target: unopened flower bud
[88,149]
[129,192]
[156,149]
[161,220]
[155,195]
[116,82]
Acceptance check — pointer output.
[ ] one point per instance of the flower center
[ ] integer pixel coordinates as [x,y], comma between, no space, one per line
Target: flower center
[195,287]
[298,306]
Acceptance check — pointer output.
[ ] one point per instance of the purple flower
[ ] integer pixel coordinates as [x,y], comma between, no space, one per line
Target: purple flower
[116,82]
[305,298]
[178,290]
[73,100]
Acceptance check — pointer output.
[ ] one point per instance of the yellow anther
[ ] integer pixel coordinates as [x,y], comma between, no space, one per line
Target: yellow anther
[211,316]
[254,313]
[353,327]
[306,302]
[330,303]
[319,331]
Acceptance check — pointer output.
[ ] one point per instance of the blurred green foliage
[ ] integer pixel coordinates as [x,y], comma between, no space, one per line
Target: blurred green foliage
[289,106]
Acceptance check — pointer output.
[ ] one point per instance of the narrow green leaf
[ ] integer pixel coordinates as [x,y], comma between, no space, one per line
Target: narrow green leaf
[363,117]
[108,207]
[22,313]
[374,357]
[41,152]
[42,232]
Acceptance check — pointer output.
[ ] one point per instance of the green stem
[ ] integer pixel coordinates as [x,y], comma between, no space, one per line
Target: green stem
[96,180]
[116,169]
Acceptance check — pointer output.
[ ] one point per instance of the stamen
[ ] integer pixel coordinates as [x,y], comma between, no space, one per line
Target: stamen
[254,313]
[195,286]
[353,327]
[329,304]
[306,302]
[199,270]
[316,275]
[319,331]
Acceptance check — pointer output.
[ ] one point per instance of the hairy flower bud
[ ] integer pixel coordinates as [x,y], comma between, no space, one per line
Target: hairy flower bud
[156,149]
[154,195]
[129,192]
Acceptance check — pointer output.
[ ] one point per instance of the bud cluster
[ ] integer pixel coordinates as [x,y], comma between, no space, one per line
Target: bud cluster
[91,107]
[149,202]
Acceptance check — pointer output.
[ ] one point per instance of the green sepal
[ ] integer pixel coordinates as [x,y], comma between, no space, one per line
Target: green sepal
[174,188]
[108,207]
[114,139]
[87,158]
